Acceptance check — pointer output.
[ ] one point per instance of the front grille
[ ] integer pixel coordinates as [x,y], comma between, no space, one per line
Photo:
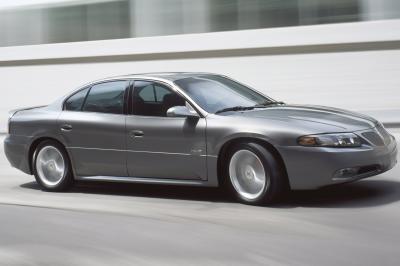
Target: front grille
[378,137]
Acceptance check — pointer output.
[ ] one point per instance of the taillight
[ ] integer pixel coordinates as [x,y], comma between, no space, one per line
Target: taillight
[10,115]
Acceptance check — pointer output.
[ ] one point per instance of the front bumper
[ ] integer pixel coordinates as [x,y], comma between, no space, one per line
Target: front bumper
[314,167]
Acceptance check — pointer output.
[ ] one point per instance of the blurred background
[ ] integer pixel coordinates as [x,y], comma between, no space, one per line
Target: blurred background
[342,53]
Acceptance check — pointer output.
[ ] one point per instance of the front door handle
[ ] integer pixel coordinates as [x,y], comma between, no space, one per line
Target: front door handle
[66,127]
[136,133]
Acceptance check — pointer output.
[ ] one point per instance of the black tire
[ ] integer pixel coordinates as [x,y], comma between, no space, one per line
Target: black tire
[67,179]
[277,184]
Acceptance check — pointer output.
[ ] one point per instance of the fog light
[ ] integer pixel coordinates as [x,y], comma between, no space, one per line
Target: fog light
[346,172]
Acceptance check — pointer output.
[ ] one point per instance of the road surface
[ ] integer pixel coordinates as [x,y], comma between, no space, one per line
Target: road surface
[120,224]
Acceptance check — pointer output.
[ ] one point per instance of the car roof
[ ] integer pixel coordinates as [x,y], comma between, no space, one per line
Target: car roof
[170,76]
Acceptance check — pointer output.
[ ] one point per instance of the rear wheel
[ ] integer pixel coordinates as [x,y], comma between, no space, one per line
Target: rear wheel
[254,175]
[52,167]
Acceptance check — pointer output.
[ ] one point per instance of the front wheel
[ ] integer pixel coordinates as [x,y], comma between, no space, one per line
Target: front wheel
[51,166]
[255,176]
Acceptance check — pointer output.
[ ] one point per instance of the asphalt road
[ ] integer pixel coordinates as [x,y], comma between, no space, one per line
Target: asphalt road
[120,224]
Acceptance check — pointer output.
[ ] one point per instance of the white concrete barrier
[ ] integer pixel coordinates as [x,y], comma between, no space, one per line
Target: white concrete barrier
[350,65]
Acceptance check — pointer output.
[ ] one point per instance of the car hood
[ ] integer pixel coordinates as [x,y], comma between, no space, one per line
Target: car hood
[319,117]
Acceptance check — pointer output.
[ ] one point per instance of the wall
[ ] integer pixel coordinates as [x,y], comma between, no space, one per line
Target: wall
[350,65]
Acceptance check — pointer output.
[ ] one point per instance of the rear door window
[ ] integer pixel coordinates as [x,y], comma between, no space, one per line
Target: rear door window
[106,97]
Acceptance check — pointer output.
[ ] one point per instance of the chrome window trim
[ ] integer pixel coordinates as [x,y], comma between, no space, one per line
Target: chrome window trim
[170,83]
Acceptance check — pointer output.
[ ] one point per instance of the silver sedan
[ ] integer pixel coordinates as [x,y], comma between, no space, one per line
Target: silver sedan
[195,129]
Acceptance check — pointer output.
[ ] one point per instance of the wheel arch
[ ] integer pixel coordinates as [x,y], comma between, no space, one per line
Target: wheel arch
[224,150]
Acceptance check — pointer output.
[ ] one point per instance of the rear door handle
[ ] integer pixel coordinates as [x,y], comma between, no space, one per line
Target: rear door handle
[66,127]
[136,133]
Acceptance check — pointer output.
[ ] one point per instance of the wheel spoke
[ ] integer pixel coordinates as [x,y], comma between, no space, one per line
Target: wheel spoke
[50,165]
[247,174]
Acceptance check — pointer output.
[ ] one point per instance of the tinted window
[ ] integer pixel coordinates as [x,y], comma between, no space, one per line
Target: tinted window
[152,92]
[161,92]
[106,98]
[154,99]
[214,92]
[147,93]
[74,103]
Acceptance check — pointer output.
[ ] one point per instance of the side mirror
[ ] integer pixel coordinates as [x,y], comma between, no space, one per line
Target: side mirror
[181,111]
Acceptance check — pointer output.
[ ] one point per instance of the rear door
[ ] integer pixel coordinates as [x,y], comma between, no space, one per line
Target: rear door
[93,127]
[159,146]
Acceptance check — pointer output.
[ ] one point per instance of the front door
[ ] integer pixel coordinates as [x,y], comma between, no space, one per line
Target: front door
[93,128]
[159,146]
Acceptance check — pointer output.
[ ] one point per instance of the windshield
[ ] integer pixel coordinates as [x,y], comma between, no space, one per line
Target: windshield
[213,93]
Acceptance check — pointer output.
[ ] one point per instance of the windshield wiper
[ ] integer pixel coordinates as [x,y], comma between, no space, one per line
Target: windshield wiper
[244,108]
[235,108]
[268,103]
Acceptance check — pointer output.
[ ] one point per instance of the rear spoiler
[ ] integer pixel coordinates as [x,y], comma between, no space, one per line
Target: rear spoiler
[14,111]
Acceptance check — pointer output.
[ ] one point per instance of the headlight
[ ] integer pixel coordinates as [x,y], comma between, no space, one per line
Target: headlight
[330,140]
